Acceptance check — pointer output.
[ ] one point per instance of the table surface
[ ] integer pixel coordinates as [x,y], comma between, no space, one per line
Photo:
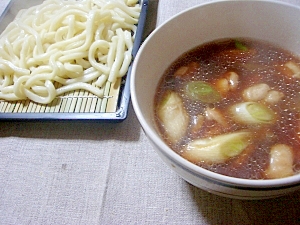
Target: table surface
[93,173]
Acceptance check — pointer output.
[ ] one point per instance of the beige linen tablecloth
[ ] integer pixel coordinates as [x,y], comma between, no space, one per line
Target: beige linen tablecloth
[93,173]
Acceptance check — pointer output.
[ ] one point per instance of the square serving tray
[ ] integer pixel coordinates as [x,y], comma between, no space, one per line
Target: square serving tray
[78,105]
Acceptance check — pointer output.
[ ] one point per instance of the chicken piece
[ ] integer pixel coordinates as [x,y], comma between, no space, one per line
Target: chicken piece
[222,85]
[273,97]
[256,92]
[216,115]
[181,71]
[281,162]
[188,70]
[233,80]
[198,123]
[294,68]
[227,83]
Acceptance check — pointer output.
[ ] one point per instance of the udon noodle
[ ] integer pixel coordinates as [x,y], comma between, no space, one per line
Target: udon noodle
[75,44]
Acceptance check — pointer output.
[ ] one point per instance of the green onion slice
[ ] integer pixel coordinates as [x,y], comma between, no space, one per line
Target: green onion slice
[219,148]
[202,91]
[239,45]
[252,113]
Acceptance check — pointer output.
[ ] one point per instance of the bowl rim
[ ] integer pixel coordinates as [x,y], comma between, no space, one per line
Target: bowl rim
[219,179]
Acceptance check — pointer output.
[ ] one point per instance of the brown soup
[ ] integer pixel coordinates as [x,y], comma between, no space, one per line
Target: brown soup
[232,106]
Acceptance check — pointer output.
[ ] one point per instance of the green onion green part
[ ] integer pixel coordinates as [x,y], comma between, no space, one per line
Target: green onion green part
[239,45]
[202,91]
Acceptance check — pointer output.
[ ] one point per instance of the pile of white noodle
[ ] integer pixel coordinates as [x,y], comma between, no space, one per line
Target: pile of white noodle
[70,43]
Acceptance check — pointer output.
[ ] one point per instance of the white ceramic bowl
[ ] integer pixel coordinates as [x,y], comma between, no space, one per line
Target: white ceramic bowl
[275,22]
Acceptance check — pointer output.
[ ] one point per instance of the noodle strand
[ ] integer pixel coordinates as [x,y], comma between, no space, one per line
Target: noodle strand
[79,44]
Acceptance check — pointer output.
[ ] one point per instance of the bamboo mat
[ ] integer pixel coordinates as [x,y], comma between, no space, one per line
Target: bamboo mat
[80,101]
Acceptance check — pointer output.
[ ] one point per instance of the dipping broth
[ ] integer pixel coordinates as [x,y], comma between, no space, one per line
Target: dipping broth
[232,106]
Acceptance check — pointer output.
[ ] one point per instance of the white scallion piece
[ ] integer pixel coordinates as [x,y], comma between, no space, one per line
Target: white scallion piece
[252,113]
[217,149]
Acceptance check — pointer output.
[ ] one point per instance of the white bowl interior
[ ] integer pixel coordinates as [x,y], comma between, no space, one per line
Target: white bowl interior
[275,22]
